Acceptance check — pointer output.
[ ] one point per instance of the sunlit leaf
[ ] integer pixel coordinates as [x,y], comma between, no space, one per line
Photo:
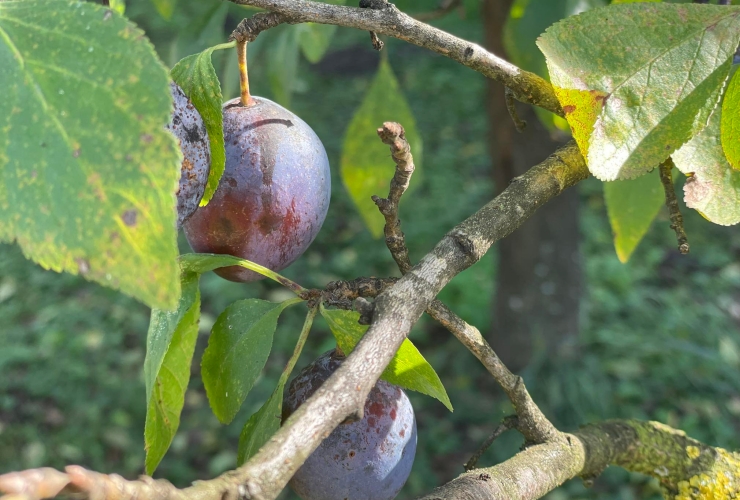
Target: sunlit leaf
[240,342]
[197,78]
[118,5]
[632,205]
[730,126]
[88,172]
[660,69]
[170,346]
[366,164]
[407,369]
[314,39]
[713,186]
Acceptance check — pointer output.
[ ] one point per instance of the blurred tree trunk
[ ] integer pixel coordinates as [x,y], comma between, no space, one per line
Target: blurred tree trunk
[539,280]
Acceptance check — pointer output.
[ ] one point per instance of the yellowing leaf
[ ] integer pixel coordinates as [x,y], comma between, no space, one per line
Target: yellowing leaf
[660,68]
[526,21]
[581,108]
[88,172]
[366,164]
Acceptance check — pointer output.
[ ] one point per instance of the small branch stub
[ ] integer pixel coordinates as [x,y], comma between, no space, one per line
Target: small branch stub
[519,124]
[375,4]
[672,203]
[248,29]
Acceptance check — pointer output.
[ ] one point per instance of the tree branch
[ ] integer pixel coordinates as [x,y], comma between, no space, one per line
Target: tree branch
[344,393]
[686,468]
[525,86]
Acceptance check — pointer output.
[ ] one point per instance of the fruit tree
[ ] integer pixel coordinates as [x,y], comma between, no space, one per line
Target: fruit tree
[105,154]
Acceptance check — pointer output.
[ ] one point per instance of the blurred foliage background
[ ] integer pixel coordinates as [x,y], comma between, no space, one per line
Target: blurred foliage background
[658,336]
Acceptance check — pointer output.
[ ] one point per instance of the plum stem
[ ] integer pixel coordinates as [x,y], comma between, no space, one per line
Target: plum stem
[241,54]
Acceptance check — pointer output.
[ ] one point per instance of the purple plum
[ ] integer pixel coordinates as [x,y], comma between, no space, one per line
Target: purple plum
[187,125]
[368,459]
[274,194]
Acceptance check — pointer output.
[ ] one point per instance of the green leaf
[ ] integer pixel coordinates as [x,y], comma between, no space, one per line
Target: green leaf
[88,172]
[282,68]
[407,369]
[632,205]
[526,21]
[713,186]
[366,165]
[730,126]
[266,421]
[240,342]
[261,425]
[650,75]
[170,346]
[165,8]
[634,1]
[314,39]
[197,78]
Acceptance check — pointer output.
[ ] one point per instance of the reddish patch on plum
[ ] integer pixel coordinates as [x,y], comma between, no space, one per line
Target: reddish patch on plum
[273,196]
[366,458]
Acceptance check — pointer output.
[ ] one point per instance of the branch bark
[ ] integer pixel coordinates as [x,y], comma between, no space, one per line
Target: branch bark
[525,86]
[685,468]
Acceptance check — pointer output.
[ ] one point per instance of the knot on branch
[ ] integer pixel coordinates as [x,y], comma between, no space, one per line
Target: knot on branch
[250,27]
[375,4]
[366,310]
[342,293]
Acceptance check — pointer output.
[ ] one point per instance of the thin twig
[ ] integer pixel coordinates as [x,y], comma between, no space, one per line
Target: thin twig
[506,424]
[535,427]
[526,86]
[519,124]
[393,135]
[672,203]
